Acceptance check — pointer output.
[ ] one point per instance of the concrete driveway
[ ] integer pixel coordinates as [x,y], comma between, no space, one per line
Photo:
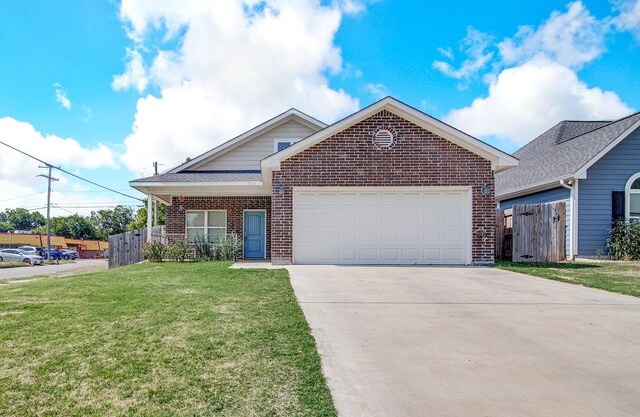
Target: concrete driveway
[429,341]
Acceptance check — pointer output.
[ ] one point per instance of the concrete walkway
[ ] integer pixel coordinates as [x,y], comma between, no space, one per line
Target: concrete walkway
[80,265]
[419,341]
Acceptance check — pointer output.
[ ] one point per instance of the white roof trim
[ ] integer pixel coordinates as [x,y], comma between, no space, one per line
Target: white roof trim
[579,174]
[195,184]
[499,159]
[291,114]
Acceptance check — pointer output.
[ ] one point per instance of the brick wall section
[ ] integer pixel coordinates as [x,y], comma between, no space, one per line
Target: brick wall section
[417,158]
[175,224]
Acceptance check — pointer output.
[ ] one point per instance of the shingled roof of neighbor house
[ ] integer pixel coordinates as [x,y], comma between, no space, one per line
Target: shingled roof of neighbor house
[204,176]
[560,152]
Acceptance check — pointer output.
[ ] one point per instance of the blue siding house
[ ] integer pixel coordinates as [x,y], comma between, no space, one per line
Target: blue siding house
[593,166]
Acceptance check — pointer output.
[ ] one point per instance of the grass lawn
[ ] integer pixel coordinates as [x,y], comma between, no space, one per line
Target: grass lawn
[12,264]
[159,339]
[620,277]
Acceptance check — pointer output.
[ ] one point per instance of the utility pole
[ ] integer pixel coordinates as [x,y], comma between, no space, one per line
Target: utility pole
[50,178]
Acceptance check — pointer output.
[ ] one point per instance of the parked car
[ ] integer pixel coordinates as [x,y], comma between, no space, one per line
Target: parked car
[17,255]
[69,254]
[34,250]
[55,254]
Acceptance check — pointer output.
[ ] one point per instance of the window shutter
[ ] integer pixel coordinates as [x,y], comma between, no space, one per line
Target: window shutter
[617,206]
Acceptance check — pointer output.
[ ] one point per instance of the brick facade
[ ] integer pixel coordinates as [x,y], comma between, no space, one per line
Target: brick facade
[417,158]
[175,224]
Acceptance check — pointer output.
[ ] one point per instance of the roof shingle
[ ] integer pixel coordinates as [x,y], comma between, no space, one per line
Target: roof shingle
[560,152]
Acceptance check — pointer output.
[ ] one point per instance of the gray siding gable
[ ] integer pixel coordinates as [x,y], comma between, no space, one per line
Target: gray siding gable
[610,173]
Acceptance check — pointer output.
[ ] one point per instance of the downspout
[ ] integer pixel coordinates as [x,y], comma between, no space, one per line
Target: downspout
[572,198]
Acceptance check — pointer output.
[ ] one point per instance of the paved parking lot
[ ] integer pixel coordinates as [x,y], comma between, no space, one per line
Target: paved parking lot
[79,265]
[420,341]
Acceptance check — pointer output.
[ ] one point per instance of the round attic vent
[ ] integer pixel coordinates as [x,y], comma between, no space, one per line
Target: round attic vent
[383,138]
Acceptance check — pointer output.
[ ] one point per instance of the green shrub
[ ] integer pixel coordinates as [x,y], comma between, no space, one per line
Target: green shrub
[178,251]
[225,248]
[153,251]
[624,241]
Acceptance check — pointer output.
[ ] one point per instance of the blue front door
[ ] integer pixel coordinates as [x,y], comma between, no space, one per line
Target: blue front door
[254,234]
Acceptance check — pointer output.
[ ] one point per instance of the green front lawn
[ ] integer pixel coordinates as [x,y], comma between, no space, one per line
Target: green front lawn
[620,277]
[159,339]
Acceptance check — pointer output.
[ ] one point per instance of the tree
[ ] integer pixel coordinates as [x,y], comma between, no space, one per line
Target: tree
[112,222]
[140,221]
[21,219]
[74,227]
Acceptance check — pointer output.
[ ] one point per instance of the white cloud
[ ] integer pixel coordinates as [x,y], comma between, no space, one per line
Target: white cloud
[237,64]
[573,39]
[526,100]
[18,173]
[475,46]
[629,17]
[533,80]
[378,90]
[61,97]
[135,73]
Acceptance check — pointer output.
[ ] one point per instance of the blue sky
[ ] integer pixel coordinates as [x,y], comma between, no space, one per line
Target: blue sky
[105,88]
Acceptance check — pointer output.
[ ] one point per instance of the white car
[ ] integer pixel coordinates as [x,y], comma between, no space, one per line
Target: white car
[17,255]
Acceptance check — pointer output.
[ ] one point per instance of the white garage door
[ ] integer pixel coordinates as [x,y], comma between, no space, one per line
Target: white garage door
[375,225]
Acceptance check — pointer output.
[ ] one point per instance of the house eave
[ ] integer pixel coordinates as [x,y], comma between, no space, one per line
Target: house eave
[171,189]
[536,188]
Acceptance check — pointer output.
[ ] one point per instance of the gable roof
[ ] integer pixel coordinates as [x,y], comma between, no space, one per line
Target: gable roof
[291,114]
[565,151]
[499,159]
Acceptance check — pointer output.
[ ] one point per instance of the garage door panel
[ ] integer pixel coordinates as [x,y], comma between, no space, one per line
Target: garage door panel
[306,199]
[368,236]
[454,255]
[394,227]
[369,199]
[410,235]
[389,235]
[453,198]
[433,255]
[327,199]
[348,255]
[368,255]
[432,199]
[432,216]
[411,255]
[348,217]
[348,199]
[368,217]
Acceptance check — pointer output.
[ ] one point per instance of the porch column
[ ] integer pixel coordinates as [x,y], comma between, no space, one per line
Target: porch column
[149,216]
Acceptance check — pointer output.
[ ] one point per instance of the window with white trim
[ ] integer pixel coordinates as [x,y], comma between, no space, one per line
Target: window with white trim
[281,144]
[632,191]
[208,224]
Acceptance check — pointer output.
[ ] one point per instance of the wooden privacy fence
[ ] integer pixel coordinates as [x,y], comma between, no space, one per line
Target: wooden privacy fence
[531,233]
[125,248]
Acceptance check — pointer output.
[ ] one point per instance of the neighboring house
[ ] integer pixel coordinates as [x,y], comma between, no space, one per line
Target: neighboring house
[385,185]
[593,166]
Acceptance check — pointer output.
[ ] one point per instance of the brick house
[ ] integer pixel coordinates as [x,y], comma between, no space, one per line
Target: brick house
[385,185]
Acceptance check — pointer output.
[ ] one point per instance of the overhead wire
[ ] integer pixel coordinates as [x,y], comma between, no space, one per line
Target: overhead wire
[70,173]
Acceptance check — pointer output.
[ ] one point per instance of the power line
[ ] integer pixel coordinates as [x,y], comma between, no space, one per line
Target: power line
[22,196]
[70,173]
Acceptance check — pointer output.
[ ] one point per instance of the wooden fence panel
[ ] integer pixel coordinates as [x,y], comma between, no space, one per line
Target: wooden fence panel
[126,248]
[538,232]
